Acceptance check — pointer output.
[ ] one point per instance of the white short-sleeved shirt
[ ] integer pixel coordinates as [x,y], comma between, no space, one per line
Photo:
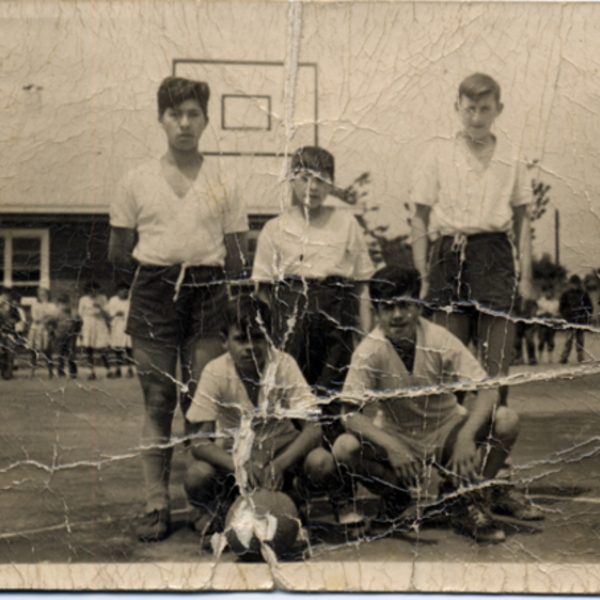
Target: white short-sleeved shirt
[173,230]
[548,307]
[464,196]
[284,394]
[291,246]
[440,358]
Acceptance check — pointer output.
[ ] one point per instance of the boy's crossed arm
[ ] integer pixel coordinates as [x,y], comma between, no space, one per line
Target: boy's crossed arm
[268,475]
[405,465]
[271,475]
[204,448]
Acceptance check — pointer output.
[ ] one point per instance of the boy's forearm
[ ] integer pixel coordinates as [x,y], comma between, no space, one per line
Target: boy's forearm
[264,292]
[236,246]
[121,244]
[364,311]
[522,232]
[483,411]
[309,439]
[362,427]
[420,244]
[213,455]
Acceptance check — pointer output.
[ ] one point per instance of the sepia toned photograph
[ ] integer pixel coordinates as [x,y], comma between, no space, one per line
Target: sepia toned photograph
[300,296]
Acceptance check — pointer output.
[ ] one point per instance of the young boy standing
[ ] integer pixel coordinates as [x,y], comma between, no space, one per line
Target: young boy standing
[471,203]
[311,264]
[65,329]
[548,308]
[182,232]
[575,308]
[253,402]
[401,378]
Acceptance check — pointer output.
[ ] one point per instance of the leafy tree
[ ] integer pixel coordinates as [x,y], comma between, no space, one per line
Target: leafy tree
[540,198]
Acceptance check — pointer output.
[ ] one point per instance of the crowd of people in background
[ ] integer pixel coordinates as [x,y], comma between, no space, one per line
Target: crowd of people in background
[60,338]
[574,309]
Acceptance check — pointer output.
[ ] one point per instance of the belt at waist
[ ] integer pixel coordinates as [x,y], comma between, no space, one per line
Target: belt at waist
[200,271]
[300,282]
[475,237]
[187,275]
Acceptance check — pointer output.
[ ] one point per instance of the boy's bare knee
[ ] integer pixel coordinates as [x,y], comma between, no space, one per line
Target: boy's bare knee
[506,425]
[346,449]
[198,477]
[160,398]
[319,465]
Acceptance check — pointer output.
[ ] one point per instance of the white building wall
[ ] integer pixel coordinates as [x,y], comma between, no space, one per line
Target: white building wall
[387,79]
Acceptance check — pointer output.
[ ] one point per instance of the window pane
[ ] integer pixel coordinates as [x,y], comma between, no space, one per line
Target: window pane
[26,259]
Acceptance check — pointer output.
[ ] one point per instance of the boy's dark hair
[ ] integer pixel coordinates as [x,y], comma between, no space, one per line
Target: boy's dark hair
[393,282]
[63,299]
[173,91]
[313,158]
[478,85]
[247,313]
[575,280]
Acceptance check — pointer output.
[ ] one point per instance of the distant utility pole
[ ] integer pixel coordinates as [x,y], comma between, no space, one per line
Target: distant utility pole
[556,236]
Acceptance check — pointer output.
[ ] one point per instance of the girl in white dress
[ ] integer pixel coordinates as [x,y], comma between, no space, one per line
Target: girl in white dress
[94,327]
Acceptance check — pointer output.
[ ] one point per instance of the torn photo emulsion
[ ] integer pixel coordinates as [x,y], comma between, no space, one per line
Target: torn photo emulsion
[300,296]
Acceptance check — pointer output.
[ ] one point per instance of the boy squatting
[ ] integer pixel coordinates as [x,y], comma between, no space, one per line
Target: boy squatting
[256,385]
[389,440]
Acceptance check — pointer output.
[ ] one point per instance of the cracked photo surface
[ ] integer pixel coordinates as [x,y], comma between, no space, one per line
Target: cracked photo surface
[300,296]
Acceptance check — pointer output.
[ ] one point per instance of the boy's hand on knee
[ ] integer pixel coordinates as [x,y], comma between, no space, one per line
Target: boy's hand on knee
[406,467]
[464,463]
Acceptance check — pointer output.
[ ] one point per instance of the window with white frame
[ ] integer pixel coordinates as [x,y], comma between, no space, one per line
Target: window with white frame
[25,258]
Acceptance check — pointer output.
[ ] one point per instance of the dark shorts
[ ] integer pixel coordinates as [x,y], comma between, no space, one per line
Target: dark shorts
[314,321]
[486,278]
[156,315]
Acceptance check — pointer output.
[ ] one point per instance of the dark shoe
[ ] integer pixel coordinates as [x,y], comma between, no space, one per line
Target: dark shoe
[205,522]
[348,514]
[472,520]
[507,500]
[130,372]
[92,377]
[392,507]
[118,374]
[110,375]
[154,526]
